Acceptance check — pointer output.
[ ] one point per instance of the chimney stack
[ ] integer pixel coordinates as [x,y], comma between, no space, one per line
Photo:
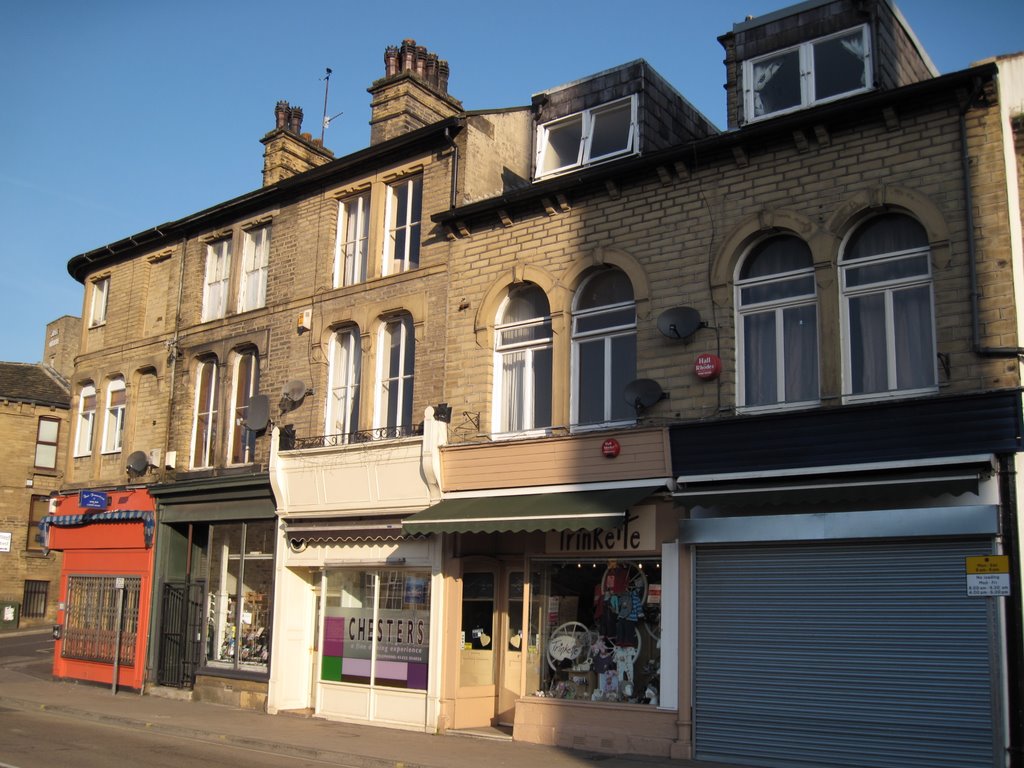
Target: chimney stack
[288,151]
[412,94]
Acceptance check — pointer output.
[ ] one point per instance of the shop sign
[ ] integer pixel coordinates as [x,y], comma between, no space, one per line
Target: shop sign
[707,366]
[636,534]
[988,576]
[93,500]
[5,541]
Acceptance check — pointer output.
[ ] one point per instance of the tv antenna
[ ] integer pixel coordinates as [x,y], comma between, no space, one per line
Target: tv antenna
[327,87]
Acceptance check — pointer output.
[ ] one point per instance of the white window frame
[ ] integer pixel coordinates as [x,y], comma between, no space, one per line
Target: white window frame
[401,379]
[887,288]
[217,279]
[585,156]
[499,418]
[252,285]
[393,262]
[345,355]
[43,443]
[807,75]
[240,411]
[86,420]
[608,334]
[777,307]
[351,250]
[203,457]
[113,415]
[100,295]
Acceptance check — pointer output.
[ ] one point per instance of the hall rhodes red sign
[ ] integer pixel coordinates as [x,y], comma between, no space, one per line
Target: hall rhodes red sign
[707,366]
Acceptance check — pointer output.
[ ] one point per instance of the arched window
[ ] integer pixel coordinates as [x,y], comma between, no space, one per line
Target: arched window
[522,347]
[777,329]
[113,421]
[245,386]
[603,348]
[343,382]
[204,423]
[887,305]
[396,356]
[86,419]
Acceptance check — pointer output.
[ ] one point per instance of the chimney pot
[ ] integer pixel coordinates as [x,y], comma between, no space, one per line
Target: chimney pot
[295,120]
[281,115]
[421,60]
[391,61]
[408,52]
[442,76]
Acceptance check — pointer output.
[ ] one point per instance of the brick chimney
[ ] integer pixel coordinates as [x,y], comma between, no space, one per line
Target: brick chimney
[287,150]
[412,94]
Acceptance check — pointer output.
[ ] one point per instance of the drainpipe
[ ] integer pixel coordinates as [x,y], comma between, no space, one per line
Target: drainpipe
[455,165]
[1014,617]
[972,256]
[173,351]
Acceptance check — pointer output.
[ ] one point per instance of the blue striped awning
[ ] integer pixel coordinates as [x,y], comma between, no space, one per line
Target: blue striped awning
[144,516]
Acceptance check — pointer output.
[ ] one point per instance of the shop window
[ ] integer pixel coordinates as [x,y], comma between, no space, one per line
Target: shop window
[90,619]
[47,431]
[603,349]
[776,300]
[522,347]
[376,627]
[600,630]
[241,582]
[40,508]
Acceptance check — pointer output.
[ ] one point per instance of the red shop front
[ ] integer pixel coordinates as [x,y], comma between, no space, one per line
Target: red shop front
[105,584]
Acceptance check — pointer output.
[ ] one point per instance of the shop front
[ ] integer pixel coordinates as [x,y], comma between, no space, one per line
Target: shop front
[102,628]
[562,600]
[854,603]
[356,632]
[214,593]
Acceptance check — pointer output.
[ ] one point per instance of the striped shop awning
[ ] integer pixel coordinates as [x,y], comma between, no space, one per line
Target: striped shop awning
[146,517]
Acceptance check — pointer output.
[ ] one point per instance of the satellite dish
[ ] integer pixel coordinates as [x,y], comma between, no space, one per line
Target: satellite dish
[643,393]
[292,394]
[680,322]
[138,462]
[259,413]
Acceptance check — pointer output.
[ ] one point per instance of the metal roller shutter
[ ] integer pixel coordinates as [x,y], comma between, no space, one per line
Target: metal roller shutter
[843,655]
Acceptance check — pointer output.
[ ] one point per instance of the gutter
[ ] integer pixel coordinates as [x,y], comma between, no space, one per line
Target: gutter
[371,157]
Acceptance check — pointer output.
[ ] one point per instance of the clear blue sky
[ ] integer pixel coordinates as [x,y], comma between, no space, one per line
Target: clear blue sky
[119,116]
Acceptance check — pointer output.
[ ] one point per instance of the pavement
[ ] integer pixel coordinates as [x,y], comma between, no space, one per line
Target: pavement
[359,746]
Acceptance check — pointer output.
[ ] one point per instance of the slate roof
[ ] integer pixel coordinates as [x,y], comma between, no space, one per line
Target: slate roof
[33,383]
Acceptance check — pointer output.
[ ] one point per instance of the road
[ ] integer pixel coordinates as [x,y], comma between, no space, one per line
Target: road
[45,740]
[31,654]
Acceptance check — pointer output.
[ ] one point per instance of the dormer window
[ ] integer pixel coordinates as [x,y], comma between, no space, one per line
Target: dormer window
[588,137]
[811,73]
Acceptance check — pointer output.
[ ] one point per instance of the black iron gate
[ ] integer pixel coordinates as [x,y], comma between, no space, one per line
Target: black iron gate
[181,627]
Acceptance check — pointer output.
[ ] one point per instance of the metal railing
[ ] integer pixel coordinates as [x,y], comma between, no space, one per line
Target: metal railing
[33,601]
[351,438]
